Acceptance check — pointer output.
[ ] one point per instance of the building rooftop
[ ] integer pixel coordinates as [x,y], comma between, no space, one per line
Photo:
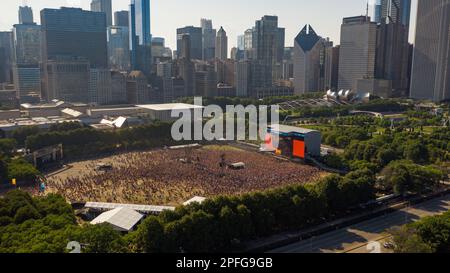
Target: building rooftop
[196,199]
[139,208]
[285,129]
[122,219]
[170,106]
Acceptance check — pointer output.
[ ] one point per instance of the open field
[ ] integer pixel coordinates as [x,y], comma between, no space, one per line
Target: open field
[170,177]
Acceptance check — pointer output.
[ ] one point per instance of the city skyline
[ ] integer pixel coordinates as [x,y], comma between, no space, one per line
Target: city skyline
[293,15]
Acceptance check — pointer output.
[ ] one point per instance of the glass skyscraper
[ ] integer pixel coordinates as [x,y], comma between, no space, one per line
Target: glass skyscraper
[140,36]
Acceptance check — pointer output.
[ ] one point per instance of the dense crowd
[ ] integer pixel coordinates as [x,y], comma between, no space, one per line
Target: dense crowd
[173,176]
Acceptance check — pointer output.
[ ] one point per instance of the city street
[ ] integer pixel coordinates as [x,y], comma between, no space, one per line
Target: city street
[355,239]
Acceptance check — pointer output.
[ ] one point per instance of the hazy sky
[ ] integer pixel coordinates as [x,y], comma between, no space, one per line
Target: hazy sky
[235,16]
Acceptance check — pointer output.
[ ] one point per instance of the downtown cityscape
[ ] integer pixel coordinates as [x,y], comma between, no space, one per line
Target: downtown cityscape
[320,143]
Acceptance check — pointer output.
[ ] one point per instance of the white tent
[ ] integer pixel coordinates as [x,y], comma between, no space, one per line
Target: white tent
[121,219]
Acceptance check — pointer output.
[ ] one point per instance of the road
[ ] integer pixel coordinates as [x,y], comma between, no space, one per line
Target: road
[355,239]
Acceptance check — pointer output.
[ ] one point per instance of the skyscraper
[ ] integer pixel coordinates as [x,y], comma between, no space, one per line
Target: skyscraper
[196,41]
[268,44]
[357,51]
[25,15]
[222,44]
[241,42]
[308,50]
[396,11]
[27,44]
[140,36]
[103,6]
[377,8]
[331,68]
[73,41]
[121,18]
[27,57]
[119,48]
[67,78]
[209,39]
[74,32]
[392,62]
[186,69]
[430,77]
[6,53]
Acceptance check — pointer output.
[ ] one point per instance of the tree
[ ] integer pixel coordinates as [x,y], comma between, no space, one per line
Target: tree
[406,240]
[7,146]
[101,238]
[150,235]
[416,151]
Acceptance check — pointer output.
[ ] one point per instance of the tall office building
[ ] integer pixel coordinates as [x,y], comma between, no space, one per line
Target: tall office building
[395,11]
[377,9]
[208,40]
[67,79]
[331,68]
[186,68]
[121,18]
[103,6]
[119,87]
[27,44]
[268,44]
[308,51]
[74,32]
[26,59]
[25,15]
[100,86]
[119,48]
[137,88]
[430,77]
[392,61]
[241,42]
[205,81]
[6,56]
[140,36]
[196,41]
[243,78]
[72,39]
[222,44]
[357,51]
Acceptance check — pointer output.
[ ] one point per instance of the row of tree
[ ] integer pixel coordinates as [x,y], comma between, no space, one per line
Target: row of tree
[47,225]
[221,223]
[429,235]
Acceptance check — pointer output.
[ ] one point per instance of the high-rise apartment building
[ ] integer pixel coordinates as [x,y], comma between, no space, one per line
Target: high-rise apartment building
[357,51]
[103,6]
[430,77]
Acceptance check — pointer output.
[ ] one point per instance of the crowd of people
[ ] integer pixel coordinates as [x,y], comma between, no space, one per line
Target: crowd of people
[171,177]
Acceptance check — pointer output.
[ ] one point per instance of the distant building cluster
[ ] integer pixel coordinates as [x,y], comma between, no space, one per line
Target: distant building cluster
[101,57]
